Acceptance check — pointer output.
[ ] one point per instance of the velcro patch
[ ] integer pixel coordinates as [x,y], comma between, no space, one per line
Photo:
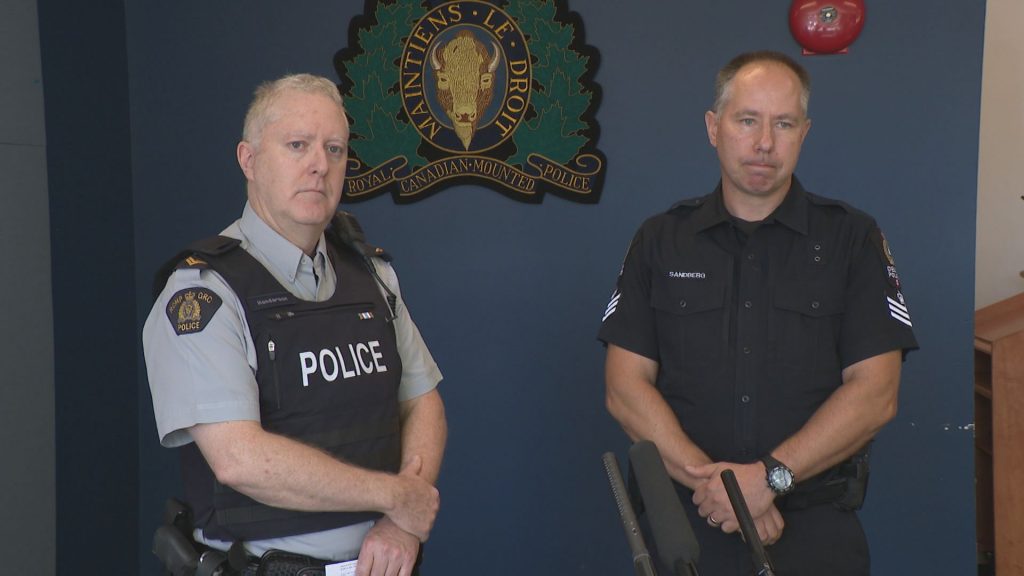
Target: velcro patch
[191,309]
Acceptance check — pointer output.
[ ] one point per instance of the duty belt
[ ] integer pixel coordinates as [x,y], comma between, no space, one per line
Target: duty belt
[279,563]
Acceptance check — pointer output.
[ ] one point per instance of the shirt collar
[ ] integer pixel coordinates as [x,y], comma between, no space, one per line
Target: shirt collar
[792,213]
[277,252]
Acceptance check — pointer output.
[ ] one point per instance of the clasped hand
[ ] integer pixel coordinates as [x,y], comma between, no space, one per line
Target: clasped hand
[416,501]
[713,503]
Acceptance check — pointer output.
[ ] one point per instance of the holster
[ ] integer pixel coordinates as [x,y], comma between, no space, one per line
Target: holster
[845,486]
[177,550]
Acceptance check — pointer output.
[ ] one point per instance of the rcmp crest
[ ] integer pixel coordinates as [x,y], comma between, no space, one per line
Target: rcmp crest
[190,310]
[497,93]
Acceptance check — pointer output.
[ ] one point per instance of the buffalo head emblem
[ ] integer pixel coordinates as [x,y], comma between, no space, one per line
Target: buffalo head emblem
[465,80]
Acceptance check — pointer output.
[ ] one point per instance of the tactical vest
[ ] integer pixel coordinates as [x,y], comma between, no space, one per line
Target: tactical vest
[328,375]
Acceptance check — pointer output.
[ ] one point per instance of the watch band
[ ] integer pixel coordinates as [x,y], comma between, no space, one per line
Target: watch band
[770,462]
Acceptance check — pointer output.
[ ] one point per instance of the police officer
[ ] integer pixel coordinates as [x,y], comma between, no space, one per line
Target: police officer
[761,328]
[284,363]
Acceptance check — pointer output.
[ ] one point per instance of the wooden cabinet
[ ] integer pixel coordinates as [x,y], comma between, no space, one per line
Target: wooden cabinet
[999,432]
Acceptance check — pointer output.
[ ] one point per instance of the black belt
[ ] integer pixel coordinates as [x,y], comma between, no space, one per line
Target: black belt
[822,494]
[280,563]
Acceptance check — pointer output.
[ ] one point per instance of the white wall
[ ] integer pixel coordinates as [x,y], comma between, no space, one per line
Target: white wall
[1000,256]
[27,477]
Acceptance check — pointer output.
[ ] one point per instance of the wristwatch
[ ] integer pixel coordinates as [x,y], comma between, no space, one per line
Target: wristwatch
[780,477]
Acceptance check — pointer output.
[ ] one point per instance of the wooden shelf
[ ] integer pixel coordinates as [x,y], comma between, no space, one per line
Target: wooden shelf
[999,432]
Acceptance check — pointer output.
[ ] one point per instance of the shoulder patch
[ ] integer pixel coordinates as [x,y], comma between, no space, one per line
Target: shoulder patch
[878,239]
[190,310]
[890,268]
[886,250]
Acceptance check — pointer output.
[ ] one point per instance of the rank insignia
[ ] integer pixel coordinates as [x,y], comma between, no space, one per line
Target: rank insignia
[191,309]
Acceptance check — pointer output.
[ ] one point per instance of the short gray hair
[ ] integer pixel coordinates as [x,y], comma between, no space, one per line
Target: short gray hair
[259,113]
[723,82]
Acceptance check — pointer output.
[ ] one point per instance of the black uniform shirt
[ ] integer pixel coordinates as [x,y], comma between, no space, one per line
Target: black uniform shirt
[752,325]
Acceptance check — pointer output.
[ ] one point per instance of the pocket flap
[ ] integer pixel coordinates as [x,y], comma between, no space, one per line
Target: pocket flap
[685,297]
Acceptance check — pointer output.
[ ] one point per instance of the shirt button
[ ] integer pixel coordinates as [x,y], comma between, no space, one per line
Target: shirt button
[815,304]
[748,304]
[750,256]
[682,303]
[817,246]
[745,399]
[746,349]
[817,258]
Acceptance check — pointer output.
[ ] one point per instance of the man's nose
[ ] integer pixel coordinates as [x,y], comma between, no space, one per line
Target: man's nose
[766,139]
[318,160]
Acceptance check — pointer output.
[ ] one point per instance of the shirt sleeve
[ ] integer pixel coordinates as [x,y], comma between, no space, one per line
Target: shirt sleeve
[876,317]
[202,372]
[628,320]
[420,373]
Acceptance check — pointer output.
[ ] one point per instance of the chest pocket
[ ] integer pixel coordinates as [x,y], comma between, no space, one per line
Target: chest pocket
[806,320]
[691,321]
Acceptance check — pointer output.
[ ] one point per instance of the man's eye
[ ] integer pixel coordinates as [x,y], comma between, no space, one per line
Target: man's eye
[335,149]
[747,121]
[297,145]
[786,125]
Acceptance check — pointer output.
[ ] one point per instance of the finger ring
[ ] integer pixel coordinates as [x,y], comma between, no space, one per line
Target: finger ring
[712,520]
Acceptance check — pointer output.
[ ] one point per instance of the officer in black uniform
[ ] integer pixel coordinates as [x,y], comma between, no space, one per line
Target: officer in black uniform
[761,328]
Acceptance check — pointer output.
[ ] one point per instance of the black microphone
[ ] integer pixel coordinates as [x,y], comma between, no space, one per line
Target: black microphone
[762,564]
[677,546]
[641,557]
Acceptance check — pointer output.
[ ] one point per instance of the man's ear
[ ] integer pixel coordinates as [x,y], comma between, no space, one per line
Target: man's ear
[711,123]
[246,154]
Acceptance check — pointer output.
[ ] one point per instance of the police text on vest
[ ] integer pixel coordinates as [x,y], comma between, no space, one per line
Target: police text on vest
[355,360]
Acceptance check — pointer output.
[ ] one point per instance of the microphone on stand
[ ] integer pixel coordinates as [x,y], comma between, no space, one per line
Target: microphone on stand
[677,545]
[762,564]
[641,557]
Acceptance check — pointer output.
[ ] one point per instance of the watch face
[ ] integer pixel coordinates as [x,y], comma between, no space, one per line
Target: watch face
[780,478]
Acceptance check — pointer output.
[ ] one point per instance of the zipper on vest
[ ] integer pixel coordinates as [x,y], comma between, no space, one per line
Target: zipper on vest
[272,352]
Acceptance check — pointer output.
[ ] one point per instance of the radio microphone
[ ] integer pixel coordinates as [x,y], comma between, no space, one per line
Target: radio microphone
[762,564]
[673,535]
[641,557]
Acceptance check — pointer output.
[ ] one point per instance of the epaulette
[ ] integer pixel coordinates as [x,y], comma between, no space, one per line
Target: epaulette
[192,258]
[824,201]
[689,203]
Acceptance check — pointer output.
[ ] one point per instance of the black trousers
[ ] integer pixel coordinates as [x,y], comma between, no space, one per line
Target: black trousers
[816,541]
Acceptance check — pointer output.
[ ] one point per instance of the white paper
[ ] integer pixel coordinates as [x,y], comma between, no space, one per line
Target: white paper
[341,569]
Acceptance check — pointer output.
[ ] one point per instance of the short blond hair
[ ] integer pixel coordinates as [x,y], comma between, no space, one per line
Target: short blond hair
[260,109]
[723,81]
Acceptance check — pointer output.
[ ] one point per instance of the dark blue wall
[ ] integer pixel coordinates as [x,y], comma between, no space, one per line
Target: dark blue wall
[88,154]
[509,296]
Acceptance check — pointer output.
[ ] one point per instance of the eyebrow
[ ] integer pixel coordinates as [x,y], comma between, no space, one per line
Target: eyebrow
[752,112]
